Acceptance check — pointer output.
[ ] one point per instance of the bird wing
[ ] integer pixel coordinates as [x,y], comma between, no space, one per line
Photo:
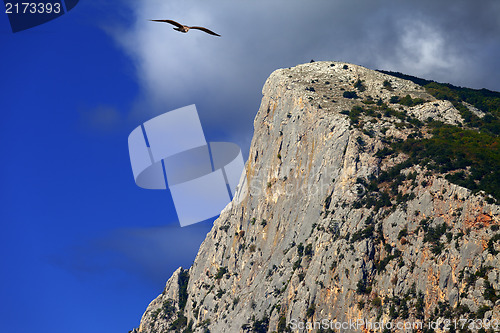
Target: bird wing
[206,30]
[178,25]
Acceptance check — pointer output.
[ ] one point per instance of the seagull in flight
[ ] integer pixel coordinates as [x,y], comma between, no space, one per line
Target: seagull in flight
[185,28]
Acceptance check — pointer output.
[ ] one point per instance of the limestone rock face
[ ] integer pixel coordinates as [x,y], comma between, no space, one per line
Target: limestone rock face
[309,252]
[163,311]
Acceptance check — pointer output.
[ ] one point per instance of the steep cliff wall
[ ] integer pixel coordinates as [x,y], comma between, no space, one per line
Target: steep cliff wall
[324,232]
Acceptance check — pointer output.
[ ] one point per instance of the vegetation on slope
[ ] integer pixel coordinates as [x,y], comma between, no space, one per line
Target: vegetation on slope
[485,100]
[468,155]
[468,158]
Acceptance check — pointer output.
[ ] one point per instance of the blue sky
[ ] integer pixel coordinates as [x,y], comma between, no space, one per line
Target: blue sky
[84,249]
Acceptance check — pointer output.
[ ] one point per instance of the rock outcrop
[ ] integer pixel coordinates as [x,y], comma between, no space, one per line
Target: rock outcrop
[307,247]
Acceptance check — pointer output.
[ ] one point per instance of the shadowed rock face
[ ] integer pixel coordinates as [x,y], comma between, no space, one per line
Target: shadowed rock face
[312,249]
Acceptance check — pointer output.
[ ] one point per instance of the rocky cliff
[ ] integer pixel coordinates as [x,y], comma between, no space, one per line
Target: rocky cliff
[340,224]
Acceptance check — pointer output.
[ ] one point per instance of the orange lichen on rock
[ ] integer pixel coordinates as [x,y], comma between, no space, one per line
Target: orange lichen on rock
[480,221]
